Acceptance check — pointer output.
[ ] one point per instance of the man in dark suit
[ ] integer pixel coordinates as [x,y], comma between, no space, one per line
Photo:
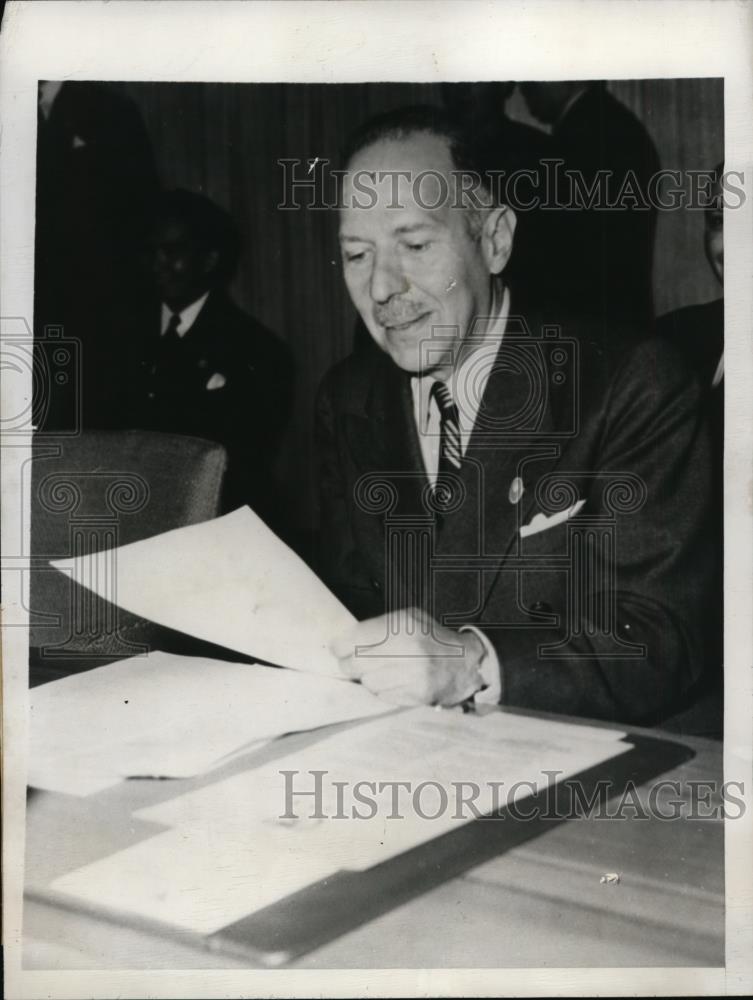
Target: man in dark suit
[516,514]
[600,255]
[509,149]
[202,366]
[697,332]
[96,186]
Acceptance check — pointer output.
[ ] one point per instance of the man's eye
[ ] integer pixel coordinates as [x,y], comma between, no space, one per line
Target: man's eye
[355,256]
[418,247]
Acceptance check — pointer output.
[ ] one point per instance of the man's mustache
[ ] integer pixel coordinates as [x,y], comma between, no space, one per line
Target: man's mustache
[398,313]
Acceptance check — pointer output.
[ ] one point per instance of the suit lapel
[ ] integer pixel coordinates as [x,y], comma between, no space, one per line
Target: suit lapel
[515,438]
[201,338]
[383,445]
[382,435]
[511,446]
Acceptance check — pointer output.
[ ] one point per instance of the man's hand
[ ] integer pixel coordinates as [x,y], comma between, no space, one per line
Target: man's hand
[408,658]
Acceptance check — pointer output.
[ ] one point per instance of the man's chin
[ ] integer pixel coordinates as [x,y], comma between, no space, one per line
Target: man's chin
[407,358]
[407,352]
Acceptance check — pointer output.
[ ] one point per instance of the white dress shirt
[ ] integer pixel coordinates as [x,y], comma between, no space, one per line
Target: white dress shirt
[188,316]
[719,373]
[466,384]
[48,91]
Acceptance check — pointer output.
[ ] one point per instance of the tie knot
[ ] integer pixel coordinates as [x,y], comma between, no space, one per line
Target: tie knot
[443,398]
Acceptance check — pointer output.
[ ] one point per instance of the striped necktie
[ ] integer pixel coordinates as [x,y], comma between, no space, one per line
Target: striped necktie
[450,445]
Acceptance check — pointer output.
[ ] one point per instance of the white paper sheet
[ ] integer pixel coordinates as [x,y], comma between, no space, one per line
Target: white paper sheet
[173,716]
[230,852]
[230,581]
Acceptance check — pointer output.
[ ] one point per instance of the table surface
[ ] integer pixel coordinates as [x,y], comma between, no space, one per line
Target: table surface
[488,895]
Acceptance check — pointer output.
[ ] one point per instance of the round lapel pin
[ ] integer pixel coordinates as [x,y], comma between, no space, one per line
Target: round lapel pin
[516,490]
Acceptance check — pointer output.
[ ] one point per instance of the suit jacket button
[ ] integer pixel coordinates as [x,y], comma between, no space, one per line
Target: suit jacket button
[541,608]
[376,585]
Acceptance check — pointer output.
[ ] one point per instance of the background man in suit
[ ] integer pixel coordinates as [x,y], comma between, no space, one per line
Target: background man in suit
[203,366]
[506,146]
[96,187]
[454,464]
[697,332]
[600,259]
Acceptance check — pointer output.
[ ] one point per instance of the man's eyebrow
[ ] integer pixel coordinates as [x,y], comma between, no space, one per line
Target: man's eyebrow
[413,227]
[403,230]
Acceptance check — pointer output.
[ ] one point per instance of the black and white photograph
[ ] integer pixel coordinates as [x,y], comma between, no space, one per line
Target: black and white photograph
[377,549]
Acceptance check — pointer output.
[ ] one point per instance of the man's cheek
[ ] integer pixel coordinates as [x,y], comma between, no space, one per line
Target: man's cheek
[356,285]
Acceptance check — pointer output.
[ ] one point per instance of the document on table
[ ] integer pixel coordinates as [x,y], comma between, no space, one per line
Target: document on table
[230,581]
[243,843]
[173,716]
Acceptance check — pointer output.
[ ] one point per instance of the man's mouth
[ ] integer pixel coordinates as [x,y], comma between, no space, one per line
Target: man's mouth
[401,327]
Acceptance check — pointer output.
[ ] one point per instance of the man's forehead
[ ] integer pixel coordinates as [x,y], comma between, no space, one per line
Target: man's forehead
[394,157]
[393,151]
[409,178]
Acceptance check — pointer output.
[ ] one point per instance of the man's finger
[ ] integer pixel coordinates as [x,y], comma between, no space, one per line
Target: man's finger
[391,679]
[350,667]
[372,632]
[400,695]
[344,645]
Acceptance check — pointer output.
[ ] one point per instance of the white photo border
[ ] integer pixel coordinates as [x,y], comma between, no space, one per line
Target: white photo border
[343,41]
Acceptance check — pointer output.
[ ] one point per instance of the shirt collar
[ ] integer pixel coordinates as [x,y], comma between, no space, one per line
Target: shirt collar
[468,381]
[719,373]
[187,315]
[48,91]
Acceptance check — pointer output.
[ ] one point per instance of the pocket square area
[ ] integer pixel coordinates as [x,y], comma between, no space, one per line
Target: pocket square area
[542,522]
[216,381]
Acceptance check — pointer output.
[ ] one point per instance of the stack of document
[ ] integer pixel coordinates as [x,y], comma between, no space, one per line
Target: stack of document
[232,582]
[167,716]
[240,844]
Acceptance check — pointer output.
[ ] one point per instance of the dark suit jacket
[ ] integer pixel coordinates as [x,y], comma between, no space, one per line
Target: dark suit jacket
[697,332]
[96,183]
[601,261]
[621,639]
[246,414]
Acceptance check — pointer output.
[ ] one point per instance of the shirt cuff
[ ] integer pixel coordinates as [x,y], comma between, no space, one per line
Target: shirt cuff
[491,670]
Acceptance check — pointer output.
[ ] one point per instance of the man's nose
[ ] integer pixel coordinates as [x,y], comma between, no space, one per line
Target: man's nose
[387,278]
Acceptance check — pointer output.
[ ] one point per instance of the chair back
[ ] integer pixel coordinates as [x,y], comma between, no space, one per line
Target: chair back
[93,493]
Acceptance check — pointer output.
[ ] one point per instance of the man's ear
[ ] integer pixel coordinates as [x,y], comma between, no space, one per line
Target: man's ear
[497,237]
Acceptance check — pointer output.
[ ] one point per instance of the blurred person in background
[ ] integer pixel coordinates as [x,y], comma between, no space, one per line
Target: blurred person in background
[600,259]
[506,146]
[697,332]
[200,365]
[96,184]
